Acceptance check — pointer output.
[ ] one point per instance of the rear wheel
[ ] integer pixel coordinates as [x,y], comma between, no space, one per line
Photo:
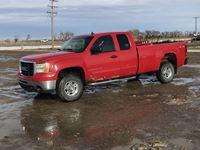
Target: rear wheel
[70,88]
[166,72]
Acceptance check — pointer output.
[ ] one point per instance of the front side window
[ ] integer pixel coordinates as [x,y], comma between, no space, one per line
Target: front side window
[77,44]
[103,44]
[123,42]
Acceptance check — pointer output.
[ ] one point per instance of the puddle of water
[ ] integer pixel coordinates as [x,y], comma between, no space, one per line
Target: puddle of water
[194,90]
[149,144]
[178,100]
[182,143]
[9,70]
[7,74]
[6,78]
[16,92]
[9,125]
[192,66]
[12,99]
[7,58]
[121,148]
[115,87]
[159,144]
[75,115]
[146,80]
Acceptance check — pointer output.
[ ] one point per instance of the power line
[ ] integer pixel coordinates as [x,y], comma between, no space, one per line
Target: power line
[196,24]
[52,13]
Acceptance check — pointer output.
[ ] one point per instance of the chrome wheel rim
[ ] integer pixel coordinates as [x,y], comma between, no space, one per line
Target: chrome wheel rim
[71,88]
[167,72]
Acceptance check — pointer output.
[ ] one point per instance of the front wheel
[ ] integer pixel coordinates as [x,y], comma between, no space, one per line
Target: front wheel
[166,72]
[70,88]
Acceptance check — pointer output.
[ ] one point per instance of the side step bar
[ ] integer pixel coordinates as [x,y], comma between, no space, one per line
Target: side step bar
[110,81]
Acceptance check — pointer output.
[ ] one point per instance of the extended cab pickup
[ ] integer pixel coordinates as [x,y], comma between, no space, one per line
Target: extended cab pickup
[95,58]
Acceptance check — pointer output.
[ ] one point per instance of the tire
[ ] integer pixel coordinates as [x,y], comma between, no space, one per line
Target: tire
[70,88]
[166,73]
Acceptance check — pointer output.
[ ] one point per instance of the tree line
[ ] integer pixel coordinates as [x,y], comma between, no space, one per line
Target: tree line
[153,34]
[137,34]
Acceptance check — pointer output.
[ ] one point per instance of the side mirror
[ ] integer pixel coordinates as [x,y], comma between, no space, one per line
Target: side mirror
[96,50]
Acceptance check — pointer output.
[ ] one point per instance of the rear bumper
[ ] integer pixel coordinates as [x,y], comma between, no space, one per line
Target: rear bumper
[41,87]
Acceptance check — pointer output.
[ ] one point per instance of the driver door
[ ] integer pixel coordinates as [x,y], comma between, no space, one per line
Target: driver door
[103,62]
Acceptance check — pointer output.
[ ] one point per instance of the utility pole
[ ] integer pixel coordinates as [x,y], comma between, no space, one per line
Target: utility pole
[52,12]
[196,25]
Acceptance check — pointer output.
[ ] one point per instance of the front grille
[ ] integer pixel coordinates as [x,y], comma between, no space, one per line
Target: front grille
[27,68]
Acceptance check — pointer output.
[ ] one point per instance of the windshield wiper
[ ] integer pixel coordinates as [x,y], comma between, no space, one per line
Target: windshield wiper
[69,50]
[66,49]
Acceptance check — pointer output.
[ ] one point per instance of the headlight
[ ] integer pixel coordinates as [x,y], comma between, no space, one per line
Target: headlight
[42,68]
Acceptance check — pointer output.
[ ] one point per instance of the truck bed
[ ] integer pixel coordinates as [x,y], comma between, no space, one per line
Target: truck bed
[151,54]
[139,43]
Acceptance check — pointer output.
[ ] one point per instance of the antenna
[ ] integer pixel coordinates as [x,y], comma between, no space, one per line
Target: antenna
[52,12]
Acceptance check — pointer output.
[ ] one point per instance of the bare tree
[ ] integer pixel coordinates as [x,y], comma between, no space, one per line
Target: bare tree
[8,40]
[66,35]
[16,39]
[28,37]
[135,33]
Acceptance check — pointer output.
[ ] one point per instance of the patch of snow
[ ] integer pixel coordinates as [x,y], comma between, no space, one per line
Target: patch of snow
[183,81]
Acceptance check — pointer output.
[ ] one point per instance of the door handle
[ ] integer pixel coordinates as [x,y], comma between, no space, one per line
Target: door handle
[113,56]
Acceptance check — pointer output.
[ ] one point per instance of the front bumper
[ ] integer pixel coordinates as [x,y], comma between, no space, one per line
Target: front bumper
[41,87]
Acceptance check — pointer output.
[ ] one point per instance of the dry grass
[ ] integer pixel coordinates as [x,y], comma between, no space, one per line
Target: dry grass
[28,43]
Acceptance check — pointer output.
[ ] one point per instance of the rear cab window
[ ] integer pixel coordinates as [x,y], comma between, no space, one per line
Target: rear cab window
[123,41]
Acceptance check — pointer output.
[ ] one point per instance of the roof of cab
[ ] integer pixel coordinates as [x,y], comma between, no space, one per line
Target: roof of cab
[103,33]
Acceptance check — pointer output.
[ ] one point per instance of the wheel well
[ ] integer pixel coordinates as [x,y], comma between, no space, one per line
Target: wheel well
[77,70]
[171,57]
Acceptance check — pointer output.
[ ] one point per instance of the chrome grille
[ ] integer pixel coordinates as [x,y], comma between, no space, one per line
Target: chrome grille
[27,68]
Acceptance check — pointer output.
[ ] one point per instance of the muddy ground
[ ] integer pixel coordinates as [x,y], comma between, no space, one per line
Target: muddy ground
[135,115]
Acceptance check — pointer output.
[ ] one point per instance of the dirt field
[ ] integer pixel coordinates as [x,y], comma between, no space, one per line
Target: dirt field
[136,115]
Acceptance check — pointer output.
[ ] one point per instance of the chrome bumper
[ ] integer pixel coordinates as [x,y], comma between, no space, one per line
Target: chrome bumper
[45,86]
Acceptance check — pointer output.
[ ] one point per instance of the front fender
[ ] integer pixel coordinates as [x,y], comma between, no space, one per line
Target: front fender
[69,64]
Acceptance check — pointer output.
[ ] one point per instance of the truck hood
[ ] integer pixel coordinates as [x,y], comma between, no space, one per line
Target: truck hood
[45,56]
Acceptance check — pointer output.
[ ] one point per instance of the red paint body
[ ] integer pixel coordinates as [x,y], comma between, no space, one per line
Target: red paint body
[136,60]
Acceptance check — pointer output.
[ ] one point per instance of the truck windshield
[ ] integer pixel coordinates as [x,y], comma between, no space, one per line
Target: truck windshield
[76,44]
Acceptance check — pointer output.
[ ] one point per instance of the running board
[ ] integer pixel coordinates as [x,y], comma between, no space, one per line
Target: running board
[110,81]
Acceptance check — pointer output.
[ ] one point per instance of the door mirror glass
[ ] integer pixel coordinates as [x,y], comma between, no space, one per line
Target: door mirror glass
[96,50]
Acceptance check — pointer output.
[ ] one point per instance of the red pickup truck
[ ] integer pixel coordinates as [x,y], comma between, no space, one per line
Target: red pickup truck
[95,58]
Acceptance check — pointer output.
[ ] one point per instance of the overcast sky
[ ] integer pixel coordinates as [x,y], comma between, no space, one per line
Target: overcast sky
[22,17]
